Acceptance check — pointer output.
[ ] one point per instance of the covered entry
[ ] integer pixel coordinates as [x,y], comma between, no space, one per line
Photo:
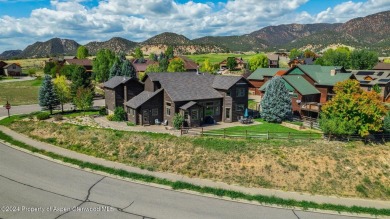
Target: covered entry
[192,113]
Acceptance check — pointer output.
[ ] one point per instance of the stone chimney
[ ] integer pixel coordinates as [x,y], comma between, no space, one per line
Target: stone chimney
[333,72]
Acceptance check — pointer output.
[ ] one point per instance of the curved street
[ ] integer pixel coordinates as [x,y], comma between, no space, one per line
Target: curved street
[33,187]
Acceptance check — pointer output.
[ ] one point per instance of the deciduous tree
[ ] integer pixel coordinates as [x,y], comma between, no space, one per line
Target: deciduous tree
[83,99]
[363,109]
[62,89]
[176,65]
[47,96]
[101,65]
[80,79]
[82,52]
[138,53]
[276,102]
[258,61]
[295,53]
[207,66]
[363,59]
[231,63]
[152,68]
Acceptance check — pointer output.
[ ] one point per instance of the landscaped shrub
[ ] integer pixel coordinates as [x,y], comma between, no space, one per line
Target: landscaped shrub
[119,114]
[102,111]
[110,117]
[386,123]
[58,117]
[130,124]
[178,120]
[43,116]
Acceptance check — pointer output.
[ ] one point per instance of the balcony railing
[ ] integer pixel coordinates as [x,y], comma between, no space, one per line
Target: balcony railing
[311,106]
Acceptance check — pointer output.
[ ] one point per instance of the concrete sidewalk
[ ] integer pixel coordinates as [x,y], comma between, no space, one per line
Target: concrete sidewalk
[197,181]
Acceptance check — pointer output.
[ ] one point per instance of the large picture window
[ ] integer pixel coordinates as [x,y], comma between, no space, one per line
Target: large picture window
[240,92]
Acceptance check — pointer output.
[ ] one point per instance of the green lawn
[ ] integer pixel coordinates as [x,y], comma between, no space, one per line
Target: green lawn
[217,57]
[20,93]
[278,130]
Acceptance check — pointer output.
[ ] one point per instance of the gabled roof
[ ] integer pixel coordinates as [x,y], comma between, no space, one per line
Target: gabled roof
[10,65]
[188,105]
[225,82]
[81,62]
[371,77]
[141,66]
[321,74]
[116,81]
[189,65]
[273,56]
[288,86]
[2,64]
[186,86]
[141,98]
[301,84]
[261,72]
[382,66]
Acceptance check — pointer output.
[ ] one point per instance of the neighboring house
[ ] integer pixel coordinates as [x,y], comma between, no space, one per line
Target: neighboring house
[382,66]
[86,63]
[119,89]
[301,61]
[261,76]
[368,79]
[12,70]
[240,64]
[189,65]
[200,97]
[273,60]
[311,86]
[2,64]
[140,65]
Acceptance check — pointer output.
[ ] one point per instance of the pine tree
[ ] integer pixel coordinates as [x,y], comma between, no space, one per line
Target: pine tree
[47,96]
[80,79]
[116,70]
[276,103]
[128,69]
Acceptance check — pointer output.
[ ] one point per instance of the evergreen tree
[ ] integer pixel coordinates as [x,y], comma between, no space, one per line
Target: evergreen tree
[116,70]
[169,52]
[276,103]
[47,96]
[128,69]
[138,53]
[163,63]
[80,79]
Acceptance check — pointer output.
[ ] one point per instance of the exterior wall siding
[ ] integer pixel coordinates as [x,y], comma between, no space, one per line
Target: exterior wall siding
[110,99]
[148,84]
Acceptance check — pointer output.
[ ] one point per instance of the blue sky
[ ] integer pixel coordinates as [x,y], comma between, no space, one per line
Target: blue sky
[28,21]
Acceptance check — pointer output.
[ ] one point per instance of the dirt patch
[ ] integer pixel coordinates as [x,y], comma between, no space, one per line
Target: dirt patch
[318,167]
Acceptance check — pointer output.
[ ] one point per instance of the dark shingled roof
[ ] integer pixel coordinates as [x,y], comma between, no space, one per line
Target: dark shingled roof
[81,62]
[225,82]
[382,66]
[141,98]
[186,86]
[188,105]
[116,81]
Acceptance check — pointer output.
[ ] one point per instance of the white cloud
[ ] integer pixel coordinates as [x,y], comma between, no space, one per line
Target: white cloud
[137,20]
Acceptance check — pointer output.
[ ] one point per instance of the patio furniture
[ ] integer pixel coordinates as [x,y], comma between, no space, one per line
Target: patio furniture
[165,123]
[157,122]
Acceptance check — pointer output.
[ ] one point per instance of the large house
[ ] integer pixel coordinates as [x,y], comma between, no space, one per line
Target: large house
[273,60]
[368,79]
[310,86]
[200,97]
[381,66]
[11,69]
[261,76]
[86,63]
[240,64]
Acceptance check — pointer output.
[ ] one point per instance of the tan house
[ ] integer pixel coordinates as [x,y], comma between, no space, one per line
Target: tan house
[240,64]
[369,78]
[12,70]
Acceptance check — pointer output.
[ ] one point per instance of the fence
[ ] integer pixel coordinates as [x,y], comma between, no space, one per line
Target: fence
[262,135]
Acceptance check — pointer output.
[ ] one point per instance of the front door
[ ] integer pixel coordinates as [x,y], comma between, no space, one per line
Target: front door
[145,116]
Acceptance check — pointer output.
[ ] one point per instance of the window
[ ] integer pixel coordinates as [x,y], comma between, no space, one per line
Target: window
[240,107]
[228,93]
[13,67]
[131,111]
[227,113]
[240,92]
[168,108]
[186,115]
[216,110]
[194,114]
[155,112]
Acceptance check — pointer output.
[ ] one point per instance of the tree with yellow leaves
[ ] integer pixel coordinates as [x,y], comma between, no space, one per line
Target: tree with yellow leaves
[352,110]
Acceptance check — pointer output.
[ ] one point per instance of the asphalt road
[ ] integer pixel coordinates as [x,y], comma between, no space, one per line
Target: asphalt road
[24,109]
[32,187]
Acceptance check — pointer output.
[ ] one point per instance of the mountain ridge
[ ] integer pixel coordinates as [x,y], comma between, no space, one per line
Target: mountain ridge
[372,31]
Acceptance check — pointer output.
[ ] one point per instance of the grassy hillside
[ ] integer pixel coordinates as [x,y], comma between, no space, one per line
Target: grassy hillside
[217,57]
